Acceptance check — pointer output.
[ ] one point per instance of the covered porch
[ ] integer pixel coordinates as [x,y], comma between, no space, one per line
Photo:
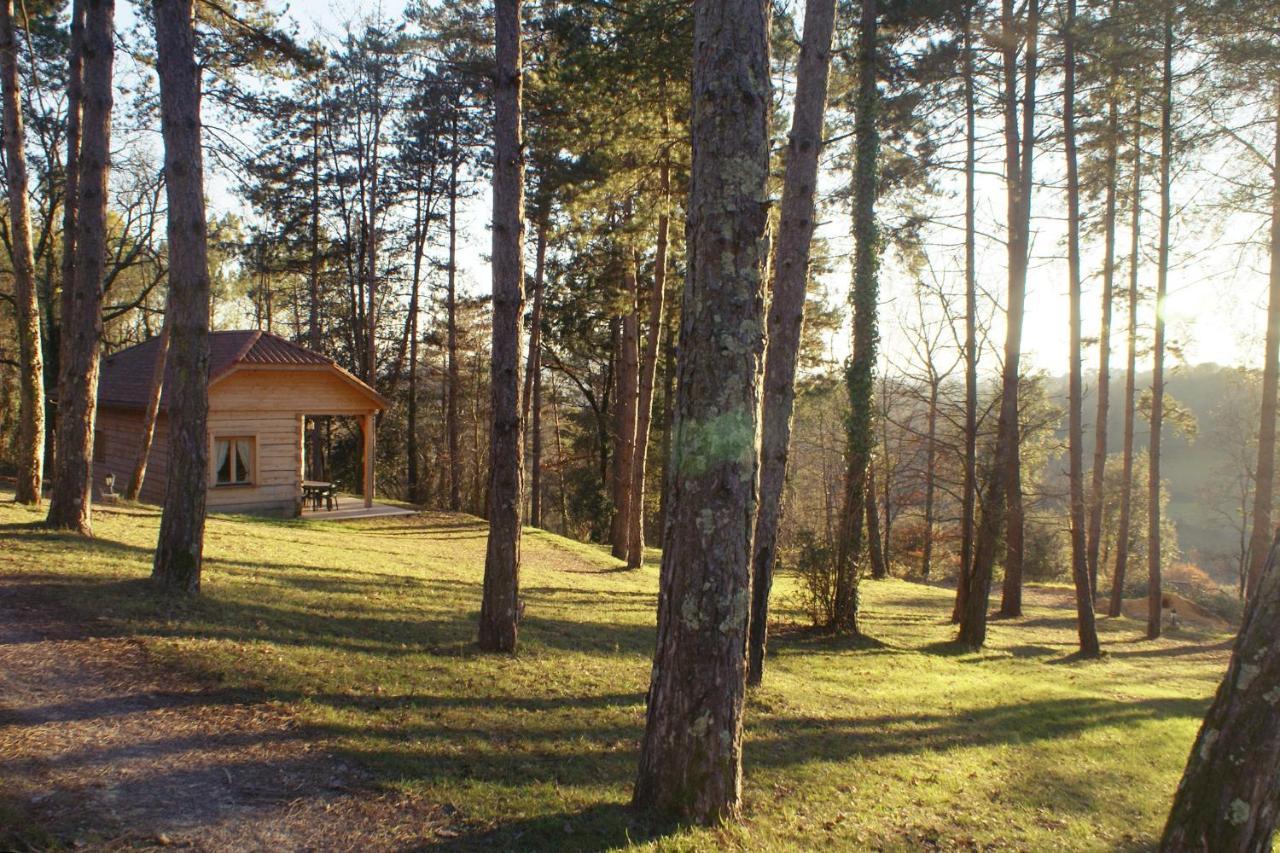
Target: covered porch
[319,494]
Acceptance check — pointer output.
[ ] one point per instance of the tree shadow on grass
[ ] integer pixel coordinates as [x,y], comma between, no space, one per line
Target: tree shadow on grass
[608,826]
[467,734]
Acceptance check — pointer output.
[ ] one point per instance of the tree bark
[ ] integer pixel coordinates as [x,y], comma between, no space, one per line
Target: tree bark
[968,499]
[533,379]
[499,610]
[624,411]
[786,310]
[453,381]
[70,502]
[1155,595]
[179,550]
[1264,486]
[875,549]
[1131,369]
[152,412]
[71,188]
[1104,330]
[1228,800]
[930,476]
[860,372]
[1085,628]
[535,443]
[421,218]
[30,475]
[535,319]
[649,375]
[1002,501]
[691,754]
[313,279]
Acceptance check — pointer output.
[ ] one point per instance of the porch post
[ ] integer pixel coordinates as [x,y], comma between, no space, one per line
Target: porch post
[370,421]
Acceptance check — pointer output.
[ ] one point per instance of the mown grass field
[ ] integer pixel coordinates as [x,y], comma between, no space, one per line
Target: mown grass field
[366,629]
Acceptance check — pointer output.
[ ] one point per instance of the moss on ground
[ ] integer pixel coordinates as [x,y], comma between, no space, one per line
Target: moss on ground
[367,630]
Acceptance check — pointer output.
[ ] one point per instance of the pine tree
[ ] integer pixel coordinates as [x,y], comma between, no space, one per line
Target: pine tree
[691,754]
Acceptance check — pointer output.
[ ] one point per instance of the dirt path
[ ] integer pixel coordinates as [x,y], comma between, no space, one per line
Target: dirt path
[102,749]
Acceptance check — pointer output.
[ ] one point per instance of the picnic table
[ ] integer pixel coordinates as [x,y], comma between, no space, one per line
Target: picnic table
[316,491]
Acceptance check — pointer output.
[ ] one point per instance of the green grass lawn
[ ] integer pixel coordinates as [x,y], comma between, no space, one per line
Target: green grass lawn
[367,630]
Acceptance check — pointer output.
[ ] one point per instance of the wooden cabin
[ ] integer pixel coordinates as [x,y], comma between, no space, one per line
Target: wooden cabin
[261,390]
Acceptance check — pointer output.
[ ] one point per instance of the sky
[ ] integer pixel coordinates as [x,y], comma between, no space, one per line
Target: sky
[1217,291]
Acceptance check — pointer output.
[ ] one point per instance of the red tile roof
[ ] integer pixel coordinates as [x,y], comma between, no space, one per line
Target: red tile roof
[125,380]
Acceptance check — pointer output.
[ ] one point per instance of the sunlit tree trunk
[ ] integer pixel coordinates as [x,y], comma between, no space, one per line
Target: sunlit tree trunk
[860,372]
[181,543]
[1088,634]
[453,381]
[1228,800]
[71,497]
[499,609]
[624,411]
[691,754]
[1130,375]
[1002,501]
[968,499]
[648,377]
[1104,331]
[930,474]
[786,310]
[71,188]
[1266,469]
[30,475]
[532,396]
[1155,595]
[152,412]
[875,547]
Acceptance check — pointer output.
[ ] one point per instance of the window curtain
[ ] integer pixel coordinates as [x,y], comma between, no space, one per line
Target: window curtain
[221,449]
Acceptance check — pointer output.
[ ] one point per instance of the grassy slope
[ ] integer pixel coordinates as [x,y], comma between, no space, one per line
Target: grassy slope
[367,628]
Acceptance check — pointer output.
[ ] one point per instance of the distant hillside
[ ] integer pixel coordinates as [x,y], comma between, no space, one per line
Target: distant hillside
[1189,467]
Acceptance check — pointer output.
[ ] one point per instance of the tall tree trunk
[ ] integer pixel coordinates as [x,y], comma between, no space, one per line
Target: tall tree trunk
[930,477]
[649,375]
[875,549]
[535,466]
[313,280]
[1104,330]
[561,494]
[860,372]
[535,319]
[1087,631]
[968,499]
[25,302]
[181,543]
[1002,501]
[1264,484]
[1155,595]
[420,224]
[71,499]
[1228,800]
[786,310]
[152,413]
[1015,523]
[499,610]
[532,376]
[71,189]
[691,754]
[668,410]
[452,379]
[624,412]
[1131,369]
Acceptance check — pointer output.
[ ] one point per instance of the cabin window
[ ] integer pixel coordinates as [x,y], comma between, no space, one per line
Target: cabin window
[233,461]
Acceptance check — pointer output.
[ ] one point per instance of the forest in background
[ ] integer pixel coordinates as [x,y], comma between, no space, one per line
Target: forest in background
[351,157]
